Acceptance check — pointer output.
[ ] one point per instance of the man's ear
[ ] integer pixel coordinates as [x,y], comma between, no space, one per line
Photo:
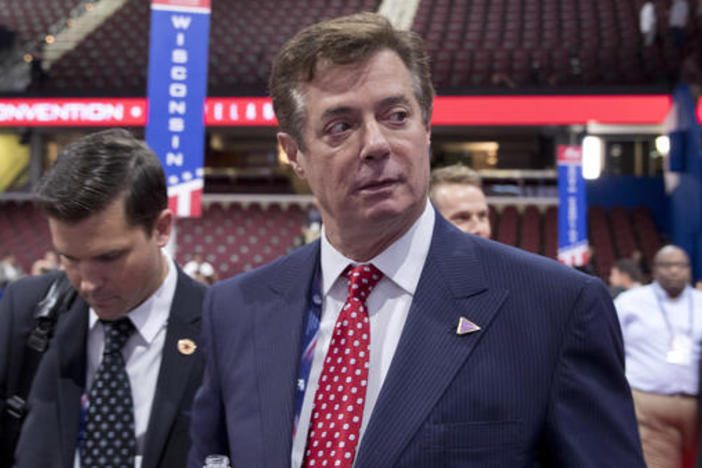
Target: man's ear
[295,156]
[162,227]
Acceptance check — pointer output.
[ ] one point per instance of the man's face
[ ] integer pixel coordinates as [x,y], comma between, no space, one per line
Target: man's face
[617,278]
[114,266]
[367,148]
[672,270]
[465,206]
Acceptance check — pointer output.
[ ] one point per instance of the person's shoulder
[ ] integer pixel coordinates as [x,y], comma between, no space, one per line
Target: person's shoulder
[191,267]
[20,298]
[34,284]
[187,281]
[500,256]
[633,295]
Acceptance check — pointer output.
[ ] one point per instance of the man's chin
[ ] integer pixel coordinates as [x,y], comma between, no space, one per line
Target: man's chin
[392,208]
[105,311]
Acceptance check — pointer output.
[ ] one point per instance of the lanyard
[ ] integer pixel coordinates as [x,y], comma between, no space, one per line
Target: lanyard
[690,319]
[312,318]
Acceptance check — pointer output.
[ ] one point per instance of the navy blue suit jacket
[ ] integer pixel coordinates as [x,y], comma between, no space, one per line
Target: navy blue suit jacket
[50,431]
[542,384]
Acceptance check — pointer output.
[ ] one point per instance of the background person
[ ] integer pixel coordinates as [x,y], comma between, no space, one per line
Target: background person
[647,23]
[10,270]
[624,275]
[456,191]
[662,329]
[49,262]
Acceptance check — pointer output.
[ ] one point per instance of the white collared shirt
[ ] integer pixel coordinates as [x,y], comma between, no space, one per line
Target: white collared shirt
[142,352]
[388,305]
[647,338]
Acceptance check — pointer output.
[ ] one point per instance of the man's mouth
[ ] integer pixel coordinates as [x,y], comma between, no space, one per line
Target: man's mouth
[377,186]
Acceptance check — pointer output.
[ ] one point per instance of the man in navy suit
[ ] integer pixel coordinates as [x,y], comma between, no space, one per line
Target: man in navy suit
[458,351]
[107,207]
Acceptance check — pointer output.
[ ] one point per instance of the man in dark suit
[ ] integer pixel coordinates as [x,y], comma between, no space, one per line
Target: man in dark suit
[115,386]
[396,340]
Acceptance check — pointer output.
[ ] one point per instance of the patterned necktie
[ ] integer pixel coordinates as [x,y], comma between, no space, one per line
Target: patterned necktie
[337,413]
[109,425]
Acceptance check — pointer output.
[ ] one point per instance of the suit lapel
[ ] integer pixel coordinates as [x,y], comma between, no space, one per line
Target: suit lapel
[430,352]
[278,335]
[176,368]
[70,353]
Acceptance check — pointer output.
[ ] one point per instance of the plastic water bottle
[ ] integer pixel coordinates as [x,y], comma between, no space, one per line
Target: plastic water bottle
[217,461]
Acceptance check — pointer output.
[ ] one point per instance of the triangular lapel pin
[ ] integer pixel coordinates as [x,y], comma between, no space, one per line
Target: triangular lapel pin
[465,326]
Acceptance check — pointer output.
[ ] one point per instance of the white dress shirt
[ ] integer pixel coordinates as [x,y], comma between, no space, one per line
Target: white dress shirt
[388,305]
[648,339]
[142,352]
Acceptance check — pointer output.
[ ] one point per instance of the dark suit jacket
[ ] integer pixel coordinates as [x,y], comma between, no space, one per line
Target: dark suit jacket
[542,384]
[50,430]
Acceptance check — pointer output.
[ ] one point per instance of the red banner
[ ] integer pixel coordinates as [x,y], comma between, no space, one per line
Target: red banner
[258,111]
[81,112]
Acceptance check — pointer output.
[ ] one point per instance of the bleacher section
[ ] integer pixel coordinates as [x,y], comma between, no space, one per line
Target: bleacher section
[473,43]
[244,35]
[24,232]
[236,237]
[32,19]
[526,43]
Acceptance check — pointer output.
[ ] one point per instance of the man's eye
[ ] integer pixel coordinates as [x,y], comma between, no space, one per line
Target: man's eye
[110,257]
[67,260]
[338,127]
[398,116]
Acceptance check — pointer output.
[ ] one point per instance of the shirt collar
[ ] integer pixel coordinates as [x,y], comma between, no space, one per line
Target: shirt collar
[663,295]
[402,261]
[152,314]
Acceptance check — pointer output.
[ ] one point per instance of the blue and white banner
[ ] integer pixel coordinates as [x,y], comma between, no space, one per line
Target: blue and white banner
[175,128]
[572,208]
[683,175]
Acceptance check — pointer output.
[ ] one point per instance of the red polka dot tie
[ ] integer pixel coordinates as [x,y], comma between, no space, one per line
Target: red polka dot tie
[341,392]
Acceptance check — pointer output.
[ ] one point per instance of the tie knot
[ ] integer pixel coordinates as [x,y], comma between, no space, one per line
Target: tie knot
[117,332]
[362,280]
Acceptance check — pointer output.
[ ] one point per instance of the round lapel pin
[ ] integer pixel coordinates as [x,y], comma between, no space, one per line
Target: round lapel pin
[186,346]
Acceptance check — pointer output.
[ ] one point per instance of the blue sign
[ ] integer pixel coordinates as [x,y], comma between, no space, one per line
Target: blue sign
[177,88]
[572,208]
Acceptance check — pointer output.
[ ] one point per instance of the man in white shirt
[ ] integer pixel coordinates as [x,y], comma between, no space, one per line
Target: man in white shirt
[115,384]
[9,269]
[662,329]
[200,270]
[396,339]
[679,12]
[647,23]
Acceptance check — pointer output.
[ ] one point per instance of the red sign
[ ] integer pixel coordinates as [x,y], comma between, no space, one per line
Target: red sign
[80,112]
[448,110]
[569,154]
[239,111]
[183,3]
[551,110]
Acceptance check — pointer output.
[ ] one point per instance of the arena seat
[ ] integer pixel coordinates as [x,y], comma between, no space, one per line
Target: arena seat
[508,225]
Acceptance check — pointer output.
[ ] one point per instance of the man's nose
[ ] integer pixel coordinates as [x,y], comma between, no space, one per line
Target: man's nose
[90,279]
[375,143]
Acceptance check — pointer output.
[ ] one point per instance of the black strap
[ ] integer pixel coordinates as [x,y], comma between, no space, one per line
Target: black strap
[57,299]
